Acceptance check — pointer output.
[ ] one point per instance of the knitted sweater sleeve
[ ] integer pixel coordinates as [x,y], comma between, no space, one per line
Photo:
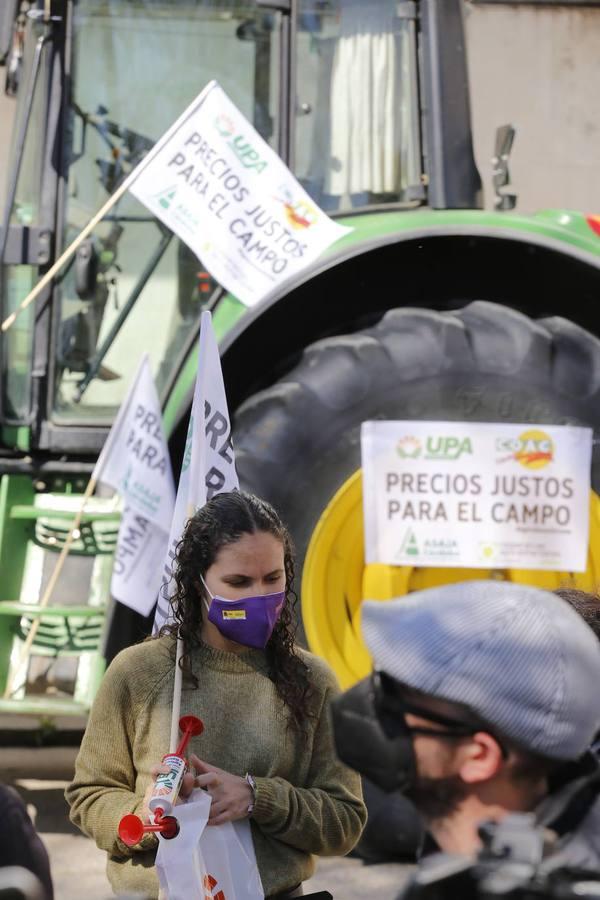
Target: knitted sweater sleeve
[326,815]
[104,787]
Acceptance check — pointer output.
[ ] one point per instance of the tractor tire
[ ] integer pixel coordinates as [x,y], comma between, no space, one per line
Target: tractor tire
[298,441]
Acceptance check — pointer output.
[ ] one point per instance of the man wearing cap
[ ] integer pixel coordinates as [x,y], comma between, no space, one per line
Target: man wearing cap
[484,701]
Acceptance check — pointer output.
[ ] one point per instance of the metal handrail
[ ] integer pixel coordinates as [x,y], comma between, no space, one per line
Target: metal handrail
[20,143]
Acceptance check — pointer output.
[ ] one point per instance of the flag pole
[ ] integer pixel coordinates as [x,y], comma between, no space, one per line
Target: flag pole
[68,253]
[51,584]
[174,738]
[178,683]
[52,271]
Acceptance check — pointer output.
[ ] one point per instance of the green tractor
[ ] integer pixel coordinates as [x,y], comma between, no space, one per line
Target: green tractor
[430,308]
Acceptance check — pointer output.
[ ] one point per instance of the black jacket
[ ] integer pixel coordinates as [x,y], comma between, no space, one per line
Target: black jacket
[19,842]
[572,811]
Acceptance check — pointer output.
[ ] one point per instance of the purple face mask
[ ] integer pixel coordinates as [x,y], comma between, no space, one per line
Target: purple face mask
[249,621]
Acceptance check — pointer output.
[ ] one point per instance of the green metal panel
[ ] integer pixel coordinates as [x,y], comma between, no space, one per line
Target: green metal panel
[14,535]
[33,529]
[571,229]
[18,437]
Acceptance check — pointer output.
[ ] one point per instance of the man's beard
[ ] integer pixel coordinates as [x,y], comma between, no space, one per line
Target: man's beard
[437,798]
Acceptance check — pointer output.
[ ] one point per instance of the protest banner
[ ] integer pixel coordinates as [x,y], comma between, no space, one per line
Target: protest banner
[135,462]
[458,494]
[220,187]
[208,468]
[208,465]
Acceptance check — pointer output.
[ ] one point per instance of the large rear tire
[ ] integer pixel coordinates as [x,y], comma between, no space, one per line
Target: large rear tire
[297,441]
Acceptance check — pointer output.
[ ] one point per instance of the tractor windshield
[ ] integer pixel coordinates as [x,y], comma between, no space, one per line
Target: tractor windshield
[357,126]
[136,65]
[351,133]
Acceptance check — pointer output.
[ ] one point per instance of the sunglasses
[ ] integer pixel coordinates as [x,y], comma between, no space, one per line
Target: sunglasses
[391,708]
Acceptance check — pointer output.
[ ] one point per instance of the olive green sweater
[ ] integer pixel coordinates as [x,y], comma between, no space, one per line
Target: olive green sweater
[307,802]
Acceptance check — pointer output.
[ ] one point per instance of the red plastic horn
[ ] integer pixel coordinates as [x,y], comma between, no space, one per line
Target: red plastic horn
[132,829]
[191,726]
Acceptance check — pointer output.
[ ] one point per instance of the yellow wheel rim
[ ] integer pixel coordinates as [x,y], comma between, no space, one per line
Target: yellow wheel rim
[336,580]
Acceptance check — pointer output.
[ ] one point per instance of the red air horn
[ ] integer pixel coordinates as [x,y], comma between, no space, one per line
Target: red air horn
[165,793]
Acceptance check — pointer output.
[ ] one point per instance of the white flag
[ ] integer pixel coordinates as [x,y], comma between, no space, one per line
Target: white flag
[135,462]
[208,466]
[220,187]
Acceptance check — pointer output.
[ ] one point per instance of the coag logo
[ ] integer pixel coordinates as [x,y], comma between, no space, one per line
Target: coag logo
[409,447]
[209,885]
[533,449]
[300,214]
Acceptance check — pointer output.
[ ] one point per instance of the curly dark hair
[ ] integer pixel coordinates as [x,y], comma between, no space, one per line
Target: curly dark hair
[586,604]
[222,521]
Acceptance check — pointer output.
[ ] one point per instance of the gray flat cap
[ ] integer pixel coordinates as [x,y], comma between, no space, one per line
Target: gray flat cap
[520,658]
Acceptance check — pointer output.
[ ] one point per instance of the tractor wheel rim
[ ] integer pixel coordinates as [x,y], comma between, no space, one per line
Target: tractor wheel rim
[336,580]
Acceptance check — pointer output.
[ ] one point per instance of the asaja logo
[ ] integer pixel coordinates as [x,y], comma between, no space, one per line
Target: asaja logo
[533,449]
[125,481]
[441,548]
[409,545]
[187,453]
[409,447]
[245,152]
[166,196]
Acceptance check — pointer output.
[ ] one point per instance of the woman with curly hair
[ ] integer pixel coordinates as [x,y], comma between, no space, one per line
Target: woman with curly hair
[266,751]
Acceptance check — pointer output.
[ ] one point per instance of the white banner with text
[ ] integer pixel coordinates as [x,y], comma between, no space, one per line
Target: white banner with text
[220,187]
[468,494]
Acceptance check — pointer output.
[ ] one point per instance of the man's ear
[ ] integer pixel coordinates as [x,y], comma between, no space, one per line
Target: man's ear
[481,758]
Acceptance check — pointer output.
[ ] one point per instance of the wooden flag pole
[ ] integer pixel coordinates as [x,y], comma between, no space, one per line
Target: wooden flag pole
[53,270]
[178,683]
[176,712]
[51,584]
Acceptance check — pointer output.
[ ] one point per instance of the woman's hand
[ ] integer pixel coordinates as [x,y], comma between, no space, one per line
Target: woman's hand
[154,771]
[231,794]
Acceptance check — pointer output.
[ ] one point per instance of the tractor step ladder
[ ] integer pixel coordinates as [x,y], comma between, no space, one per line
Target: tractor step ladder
[65,663]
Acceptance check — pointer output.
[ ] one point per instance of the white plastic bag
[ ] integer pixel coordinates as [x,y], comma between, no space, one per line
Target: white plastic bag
[208,863]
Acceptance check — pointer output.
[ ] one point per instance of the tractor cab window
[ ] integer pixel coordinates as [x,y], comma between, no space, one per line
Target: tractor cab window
[357,124]
[137,64]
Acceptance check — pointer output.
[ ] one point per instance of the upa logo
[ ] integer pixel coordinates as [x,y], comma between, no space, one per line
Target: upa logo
[533,449]
[245,152]
[447,447]
[409,447]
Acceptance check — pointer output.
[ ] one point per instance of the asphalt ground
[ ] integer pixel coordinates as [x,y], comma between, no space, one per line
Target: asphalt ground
[41,775]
